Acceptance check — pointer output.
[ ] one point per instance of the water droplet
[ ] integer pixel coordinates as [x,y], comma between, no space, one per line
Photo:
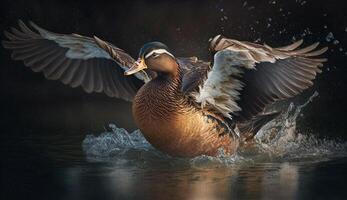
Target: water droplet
[282,31]
[329,37]
[336,42]
[244,4]
[251,8]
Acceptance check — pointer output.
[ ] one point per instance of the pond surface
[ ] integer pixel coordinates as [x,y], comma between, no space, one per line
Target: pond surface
[117,164]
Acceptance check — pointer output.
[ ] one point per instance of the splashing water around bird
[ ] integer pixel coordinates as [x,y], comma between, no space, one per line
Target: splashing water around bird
[278,140]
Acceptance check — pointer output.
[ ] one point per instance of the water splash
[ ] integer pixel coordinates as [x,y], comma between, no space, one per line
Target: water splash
[278,140]
[115,142]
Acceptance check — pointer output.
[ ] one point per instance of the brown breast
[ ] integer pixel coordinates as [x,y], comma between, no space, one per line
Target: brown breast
[171,124]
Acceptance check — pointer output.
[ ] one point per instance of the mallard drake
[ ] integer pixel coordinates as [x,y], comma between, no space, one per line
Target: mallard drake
[183,106]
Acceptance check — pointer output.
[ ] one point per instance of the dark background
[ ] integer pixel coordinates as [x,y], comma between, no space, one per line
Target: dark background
[29,103]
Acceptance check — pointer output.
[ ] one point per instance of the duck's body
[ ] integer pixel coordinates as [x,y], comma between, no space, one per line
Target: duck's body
[183,106]
[172,124]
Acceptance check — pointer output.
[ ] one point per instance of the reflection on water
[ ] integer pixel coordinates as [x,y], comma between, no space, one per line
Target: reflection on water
[283,164]
[282,183]
[261,181]
[251,181]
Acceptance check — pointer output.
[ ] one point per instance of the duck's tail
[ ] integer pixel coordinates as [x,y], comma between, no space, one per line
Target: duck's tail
[249,129]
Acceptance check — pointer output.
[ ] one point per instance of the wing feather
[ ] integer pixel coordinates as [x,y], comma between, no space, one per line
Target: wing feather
[74,60]
[253,76]
[194,72]
[291,47]
[67,75]
[97,76]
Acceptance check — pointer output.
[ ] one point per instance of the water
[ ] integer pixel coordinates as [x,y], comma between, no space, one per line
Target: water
[278,165]
[282,164]
[278,140]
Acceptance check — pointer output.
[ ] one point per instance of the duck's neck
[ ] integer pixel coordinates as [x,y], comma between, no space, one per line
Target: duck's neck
[166,87]
[160,98]
[169,81]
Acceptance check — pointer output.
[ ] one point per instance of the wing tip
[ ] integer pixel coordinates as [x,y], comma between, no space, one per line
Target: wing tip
[323,60]
[7,35]
[20,22]
[298,43]
[3,44]
[31,23]
[323,50]
[292,46]
[41,31]
[99,41]
[23,26]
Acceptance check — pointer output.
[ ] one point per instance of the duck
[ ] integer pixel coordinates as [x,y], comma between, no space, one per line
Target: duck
[184,106]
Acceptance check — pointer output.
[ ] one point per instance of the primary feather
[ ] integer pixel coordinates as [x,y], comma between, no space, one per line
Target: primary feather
[75,60]
[246,77]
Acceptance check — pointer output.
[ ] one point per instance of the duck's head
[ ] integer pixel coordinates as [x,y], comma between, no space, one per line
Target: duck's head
[154,56]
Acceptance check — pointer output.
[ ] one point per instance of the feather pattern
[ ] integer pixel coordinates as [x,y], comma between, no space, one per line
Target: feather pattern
[194,72]
[75,60]
[246,77]
[222,86]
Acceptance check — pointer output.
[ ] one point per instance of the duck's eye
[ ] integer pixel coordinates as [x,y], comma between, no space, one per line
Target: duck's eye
[155,55]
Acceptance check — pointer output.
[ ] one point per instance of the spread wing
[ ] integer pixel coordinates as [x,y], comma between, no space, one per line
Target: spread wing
[246,77]
[75,60]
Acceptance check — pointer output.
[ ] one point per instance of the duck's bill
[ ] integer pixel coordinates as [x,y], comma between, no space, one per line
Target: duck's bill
[138,66]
